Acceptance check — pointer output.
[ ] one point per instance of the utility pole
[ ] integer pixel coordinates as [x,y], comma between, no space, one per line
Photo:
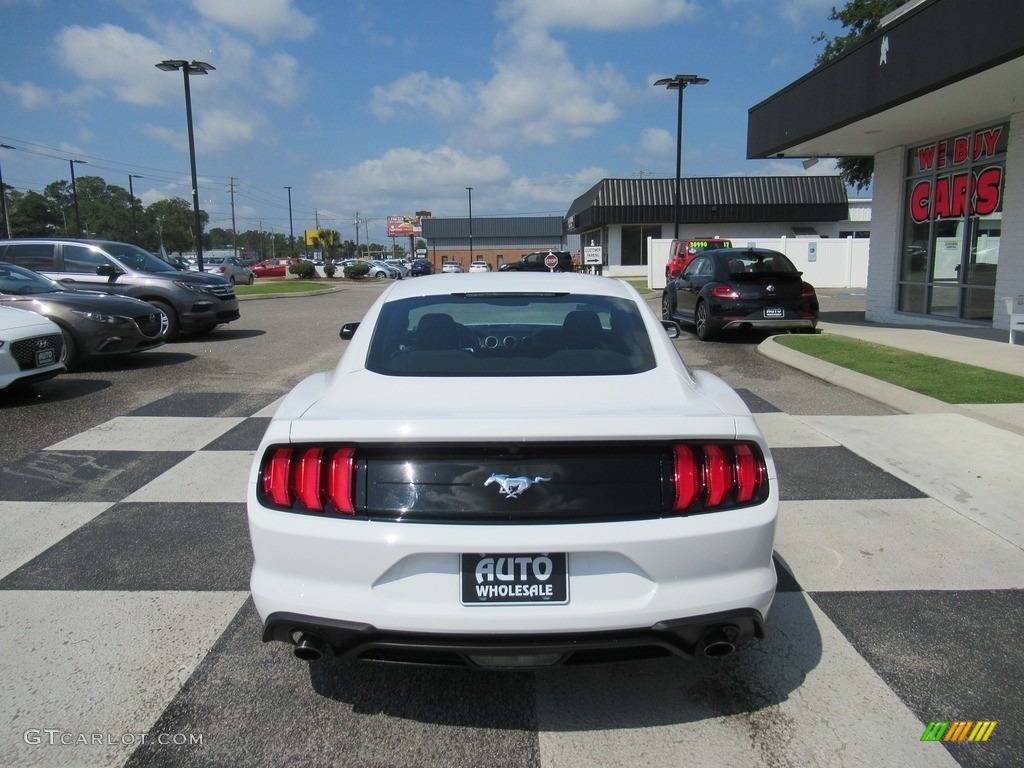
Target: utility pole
[234,234]
[358,222]
[291,225]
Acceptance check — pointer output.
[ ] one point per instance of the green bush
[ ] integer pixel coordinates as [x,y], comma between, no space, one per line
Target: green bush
[357,270]
[330,269]
[305,270]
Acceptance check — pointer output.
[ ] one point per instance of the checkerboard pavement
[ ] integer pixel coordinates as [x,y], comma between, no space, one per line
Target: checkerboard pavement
[125,619]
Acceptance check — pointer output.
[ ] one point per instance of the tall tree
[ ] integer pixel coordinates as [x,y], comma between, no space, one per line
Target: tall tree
[34,215]
[861,18]
[173,218]
[328,241]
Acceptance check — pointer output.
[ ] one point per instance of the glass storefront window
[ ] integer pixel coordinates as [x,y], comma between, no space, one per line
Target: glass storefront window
[953,218]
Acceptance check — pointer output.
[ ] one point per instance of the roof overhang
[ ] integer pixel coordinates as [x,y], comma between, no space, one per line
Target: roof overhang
[943,66]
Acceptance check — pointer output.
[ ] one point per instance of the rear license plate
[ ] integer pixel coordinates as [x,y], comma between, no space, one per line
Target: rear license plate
[774,312]
[45,357]
[515,579]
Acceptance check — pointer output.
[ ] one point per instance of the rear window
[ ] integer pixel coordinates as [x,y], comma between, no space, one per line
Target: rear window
[487,335]
[35,256]
[757,261]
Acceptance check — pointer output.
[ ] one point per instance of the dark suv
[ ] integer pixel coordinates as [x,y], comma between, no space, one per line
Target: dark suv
[534,262]
[193,302]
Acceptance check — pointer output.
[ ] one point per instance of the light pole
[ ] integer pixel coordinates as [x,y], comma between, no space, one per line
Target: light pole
[470,191]
[679,82]
[291,227]
[74,195]
[131,194]
[3,197]
[193,68]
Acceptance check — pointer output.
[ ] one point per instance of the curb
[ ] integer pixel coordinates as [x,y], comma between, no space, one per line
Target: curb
[898,398]
[289,295]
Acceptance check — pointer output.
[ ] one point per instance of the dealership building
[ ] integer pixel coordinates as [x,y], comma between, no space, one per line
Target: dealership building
[936,97]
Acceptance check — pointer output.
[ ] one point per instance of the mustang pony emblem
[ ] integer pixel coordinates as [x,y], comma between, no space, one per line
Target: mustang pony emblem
[512,487]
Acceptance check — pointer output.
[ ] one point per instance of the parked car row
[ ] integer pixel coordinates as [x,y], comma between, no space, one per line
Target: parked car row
[100,298]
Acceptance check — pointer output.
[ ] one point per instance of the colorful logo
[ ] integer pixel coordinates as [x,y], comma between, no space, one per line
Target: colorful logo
[958,730]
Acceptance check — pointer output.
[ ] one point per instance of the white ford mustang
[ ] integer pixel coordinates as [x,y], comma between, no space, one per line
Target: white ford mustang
[557,487]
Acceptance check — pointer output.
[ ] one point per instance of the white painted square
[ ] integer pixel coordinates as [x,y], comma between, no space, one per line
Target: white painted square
[149,433]
[886,544]
[784,431]
[801,697]
[98,662]
[204,476]
[32,527]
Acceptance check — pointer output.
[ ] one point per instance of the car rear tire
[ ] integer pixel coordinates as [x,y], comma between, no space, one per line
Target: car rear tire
[170,316]
[252,279]
[666,307]
[700,320]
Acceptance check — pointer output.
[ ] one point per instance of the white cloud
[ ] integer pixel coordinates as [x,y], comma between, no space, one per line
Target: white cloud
[539,96]
[418,93]
[798,13]
[266,19]
[657,143]
[28,95]
[110,56]
[281,81]
[215,128]
[427,177]
[596,14]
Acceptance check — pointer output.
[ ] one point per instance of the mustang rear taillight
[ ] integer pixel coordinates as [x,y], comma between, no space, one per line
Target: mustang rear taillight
[309,477]
[807,291]
[717,475]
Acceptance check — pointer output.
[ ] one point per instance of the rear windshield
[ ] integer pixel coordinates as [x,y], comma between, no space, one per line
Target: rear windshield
[757,261]
[548,334]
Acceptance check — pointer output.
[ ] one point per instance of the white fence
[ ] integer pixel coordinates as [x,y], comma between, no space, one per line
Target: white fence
[825,262]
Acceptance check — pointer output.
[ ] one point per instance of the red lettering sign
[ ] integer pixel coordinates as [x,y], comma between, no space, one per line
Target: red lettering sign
[957,195]
[986,191]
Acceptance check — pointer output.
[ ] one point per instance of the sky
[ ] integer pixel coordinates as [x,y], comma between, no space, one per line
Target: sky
[375,108]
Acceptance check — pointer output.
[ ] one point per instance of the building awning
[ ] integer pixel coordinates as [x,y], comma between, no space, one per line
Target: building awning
[937,68]
[709,200]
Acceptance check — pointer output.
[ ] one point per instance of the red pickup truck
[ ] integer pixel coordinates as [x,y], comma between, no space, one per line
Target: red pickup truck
[681,252]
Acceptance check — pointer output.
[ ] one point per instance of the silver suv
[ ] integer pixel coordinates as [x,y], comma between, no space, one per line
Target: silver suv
[192,302]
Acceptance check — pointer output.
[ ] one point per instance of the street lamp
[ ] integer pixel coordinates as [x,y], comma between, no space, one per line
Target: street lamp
[679,82]
[131,194]
[193,68]
[470,191]
[74,195]
[291,226]
[3,196]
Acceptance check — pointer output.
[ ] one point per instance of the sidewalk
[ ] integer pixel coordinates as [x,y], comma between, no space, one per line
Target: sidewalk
[982,347]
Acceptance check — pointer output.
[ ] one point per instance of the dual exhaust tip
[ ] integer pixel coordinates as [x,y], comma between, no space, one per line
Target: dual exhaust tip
[715,644]
[309,647]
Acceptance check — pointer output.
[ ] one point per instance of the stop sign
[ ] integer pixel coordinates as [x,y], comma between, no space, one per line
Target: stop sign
[551,261]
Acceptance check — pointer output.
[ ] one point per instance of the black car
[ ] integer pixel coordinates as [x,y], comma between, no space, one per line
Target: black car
[537,262]
[93,324]
[741,289]
[421,267]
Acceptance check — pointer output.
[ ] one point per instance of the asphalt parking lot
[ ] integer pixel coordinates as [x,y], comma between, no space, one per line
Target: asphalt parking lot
[129,639]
